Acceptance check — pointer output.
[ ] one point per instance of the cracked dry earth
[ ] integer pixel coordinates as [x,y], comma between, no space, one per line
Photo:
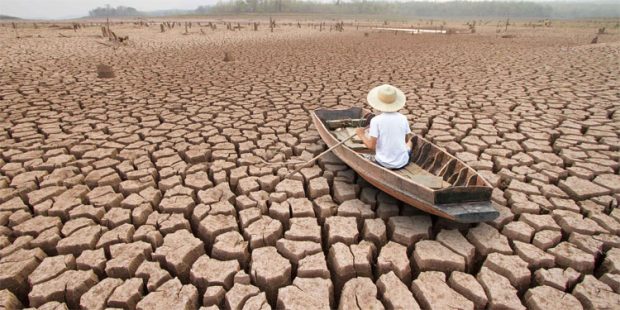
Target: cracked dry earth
[148,190]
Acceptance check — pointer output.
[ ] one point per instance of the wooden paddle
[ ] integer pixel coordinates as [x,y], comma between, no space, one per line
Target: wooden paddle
[319,156]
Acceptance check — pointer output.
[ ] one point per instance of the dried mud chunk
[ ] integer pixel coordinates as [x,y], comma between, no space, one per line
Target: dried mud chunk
[587,244]
[574,222]
[466,285]
[568,255]
[207,272]
[263,232]
[198,181]
[407,230]
[356,208]
[97,296]
[349,262]
[581,189]
[324,207]
[432,292]
[546,297]
[511,267]
[454,240]
[92,260]
[487,239]
[121,234]
[363,254]
[50,268]
[9,301]
[301,207]
[344,191]
[270,271]
[257,302]
[297,250]
[213,296]
[15,268]
[394,293]
[149,234]
[69,287]
[81,240]
[431,255]
[248,216]
[126,295]
[179,251]
[307,293]
[221,192]
[611,264]
[359,293]
[87,211]
[393,258]
[594,294]
[236,297]
[152,274]
[318,187]
[341,229]
[43,194]
[292,188]
[170,295]
[535,257]
[229,246]
[104,196]
[313,266]
[540,222]
[518,231]
[545,239]
[126,258]
[268,182]
[213,225]
[613,280]
[304,229]
[375,231]
[37,225]
[499,291]
[557,277]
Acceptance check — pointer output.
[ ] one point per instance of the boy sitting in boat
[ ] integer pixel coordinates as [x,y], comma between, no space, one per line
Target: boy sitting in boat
[388,131]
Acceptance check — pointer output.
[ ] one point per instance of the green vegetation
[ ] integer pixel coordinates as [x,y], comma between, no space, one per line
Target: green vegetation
[109,11]
[6,17]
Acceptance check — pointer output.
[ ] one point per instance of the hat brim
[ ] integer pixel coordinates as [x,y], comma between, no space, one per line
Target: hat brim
[373,100]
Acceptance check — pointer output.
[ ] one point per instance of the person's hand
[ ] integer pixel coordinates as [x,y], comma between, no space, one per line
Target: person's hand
[361,132]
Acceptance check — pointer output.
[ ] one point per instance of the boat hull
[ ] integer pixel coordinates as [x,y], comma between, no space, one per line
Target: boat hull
[408,192]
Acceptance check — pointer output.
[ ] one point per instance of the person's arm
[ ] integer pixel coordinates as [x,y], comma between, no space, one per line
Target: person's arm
[408,133]
[369,142]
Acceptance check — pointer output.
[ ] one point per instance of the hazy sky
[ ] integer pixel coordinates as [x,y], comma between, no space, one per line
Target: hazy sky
[79,8]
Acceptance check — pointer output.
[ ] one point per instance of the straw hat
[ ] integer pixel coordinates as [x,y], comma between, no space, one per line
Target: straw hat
[386,98]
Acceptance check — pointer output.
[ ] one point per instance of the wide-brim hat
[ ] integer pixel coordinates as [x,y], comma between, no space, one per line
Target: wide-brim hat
[386,98]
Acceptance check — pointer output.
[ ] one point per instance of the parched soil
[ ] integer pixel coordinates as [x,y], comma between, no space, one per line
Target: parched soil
[150,189]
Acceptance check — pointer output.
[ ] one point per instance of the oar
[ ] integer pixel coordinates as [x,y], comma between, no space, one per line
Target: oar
[319,156]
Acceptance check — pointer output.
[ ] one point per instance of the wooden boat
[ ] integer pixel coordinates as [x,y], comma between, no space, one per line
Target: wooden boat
[434,181]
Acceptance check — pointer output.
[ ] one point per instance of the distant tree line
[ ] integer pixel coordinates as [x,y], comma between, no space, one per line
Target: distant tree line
[118,11]
[451,9]
[6,17]
[515,9]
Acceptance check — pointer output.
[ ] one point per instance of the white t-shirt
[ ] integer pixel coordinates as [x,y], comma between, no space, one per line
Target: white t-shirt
[390,130]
